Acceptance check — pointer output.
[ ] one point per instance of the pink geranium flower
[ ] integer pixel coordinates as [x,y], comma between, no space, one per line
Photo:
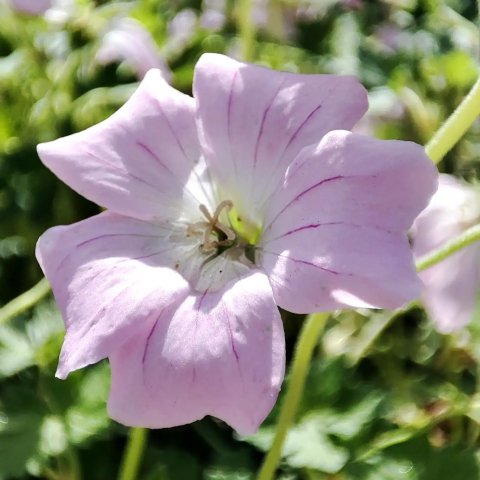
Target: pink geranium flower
[31,7]
[451,286]
[128,40]
[219,208]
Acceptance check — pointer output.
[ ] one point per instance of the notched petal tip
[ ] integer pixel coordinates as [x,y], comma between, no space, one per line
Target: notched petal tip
[48,152]
[155,77]
[212,59]
[62,372]
[43,247]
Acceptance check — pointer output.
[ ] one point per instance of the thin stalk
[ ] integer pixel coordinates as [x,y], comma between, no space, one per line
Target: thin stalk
[464,240]
[455,126]
[306,343]
[246,29]
[74,467]
[137,440]
[25,301]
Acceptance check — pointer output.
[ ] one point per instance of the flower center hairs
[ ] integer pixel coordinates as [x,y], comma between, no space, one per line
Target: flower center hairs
[224,246]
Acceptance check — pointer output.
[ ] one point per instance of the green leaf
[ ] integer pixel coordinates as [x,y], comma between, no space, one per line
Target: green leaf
[16,352]
[418,460]
[21,417]
[221,474]
[88,417]
[349,423]
[308,445]
[173,464]
[53,437]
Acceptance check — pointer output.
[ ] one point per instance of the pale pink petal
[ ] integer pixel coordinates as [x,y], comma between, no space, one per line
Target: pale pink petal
[253,121]
[452,286]
[338,265]
[109,281]
[218,354]
[335,233]
[138,161]
[353,179]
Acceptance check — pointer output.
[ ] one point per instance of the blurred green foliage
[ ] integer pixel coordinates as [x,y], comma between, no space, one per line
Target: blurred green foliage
[383,400]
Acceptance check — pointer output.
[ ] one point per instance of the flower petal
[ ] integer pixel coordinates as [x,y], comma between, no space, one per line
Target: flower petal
[138,161]
[218,354]
[253,121]
[338,265]
[108,282]
[352,248]
[451,289]
[128,40]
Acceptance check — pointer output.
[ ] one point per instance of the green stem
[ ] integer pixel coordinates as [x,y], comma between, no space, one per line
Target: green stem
[132,459]
[25,301]
[464,240]
[74,468]
[246,29]
[456,125]
[306,343]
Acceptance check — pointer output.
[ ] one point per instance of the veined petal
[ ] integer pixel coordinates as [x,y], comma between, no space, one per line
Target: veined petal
[218,354]
[109,281]
[338,265]
[253,121]
[351,247]
[354,179]
[138,161]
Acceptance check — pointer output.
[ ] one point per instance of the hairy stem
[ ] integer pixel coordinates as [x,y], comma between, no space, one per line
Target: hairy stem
[456,125]
[25,301]
[464,240]
[306,343]
[246,29]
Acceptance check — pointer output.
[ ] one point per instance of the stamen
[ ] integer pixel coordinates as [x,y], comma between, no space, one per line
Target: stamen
[206,213]
[213,224]
[227,204]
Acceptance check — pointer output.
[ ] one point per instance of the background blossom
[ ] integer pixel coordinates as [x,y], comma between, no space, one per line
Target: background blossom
[127,40]
[32,7]
[452,286]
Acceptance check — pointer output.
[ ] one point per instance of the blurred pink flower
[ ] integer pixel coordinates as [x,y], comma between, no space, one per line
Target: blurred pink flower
[452,286]
[213,15]
[32,7]
[220,207]
[127,40]
[181,31]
